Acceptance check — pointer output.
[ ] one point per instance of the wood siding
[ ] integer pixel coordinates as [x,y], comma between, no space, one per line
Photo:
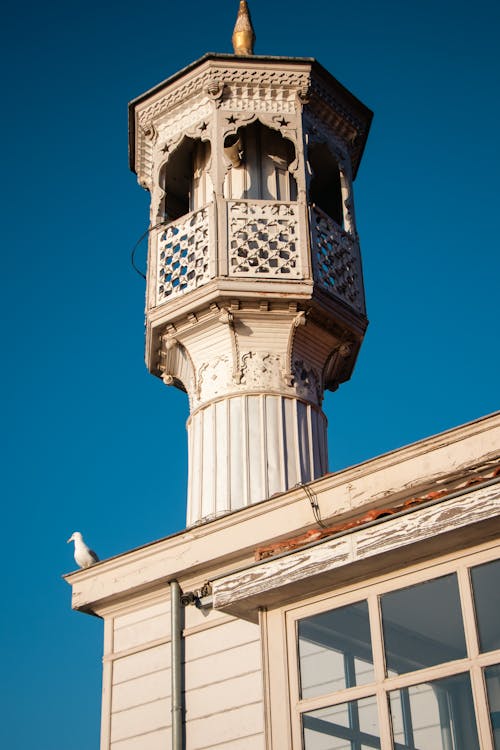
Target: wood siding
[223,693]
[223,680]
[140,717]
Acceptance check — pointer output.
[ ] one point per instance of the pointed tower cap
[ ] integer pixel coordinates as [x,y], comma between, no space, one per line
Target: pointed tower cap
[243,35]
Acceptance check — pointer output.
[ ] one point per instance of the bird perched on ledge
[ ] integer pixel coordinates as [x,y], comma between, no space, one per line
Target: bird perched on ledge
[84,556]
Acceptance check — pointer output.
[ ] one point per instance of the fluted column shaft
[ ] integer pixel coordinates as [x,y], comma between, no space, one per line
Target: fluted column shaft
[246,448]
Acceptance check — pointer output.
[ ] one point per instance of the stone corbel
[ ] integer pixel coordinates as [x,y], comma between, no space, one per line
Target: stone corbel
[304,94]
[307,381]
[157,198]
[215,90]
[172,355]
[144,182]
[335,364]
[300,319]
[149,131]
[226,317]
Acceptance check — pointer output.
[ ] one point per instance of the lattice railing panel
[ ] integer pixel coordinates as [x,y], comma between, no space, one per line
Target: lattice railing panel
[336,260]
[183,255]
[264,239]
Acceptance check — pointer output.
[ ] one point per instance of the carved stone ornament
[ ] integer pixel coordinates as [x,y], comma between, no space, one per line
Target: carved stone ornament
[345,349]
[215,90]
[169,342]
[150,132]
[214,378]
[334,369]
[307,382]
[226,316]
[262,371]
[186,121]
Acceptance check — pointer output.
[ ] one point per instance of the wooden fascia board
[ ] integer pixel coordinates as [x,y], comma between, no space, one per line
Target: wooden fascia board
[232,539]
[320,566]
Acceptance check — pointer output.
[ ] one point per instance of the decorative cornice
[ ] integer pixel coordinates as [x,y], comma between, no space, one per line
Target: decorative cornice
[305,75]
[278,90]
[224,80]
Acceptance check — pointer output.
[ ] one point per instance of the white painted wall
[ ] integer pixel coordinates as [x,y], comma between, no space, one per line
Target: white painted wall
[223,695]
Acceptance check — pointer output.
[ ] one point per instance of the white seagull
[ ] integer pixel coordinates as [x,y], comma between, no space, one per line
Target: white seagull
[84,557]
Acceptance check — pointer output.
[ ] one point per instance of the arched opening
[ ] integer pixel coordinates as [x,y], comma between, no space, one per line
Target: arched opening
[325,187]
[186,180]
[260,165]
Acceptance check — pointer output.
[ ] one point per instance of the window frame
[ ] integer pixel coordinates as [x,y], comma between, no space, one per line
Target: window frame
[283,659]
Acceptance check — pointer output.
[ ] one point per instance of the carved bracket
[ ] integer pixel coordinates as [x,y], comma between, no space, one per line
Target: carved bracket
[336,364]
[226,317]
[176,366]
[299,320]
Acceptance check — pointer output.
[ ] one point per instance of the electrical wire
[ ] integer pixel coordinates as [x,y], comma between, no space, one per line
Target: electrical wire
[141,238]
[314,504]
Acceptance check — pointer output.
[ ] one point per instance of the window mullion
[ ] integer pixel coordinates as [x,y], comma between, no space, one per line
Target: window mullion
[377,637]
[379,669]
[476,673]
[469,619]
[291,637]
[481,707]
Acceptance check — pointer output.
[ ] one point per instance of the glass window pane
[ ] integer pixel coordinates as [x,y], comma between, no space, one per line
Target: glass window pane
[492,675]
[423,625]
[437,715]
[486,585]
[335,650]
[344,727]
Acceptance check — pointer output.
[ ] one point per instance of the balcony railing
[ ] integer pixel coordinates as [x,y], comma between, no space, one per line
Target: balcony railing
[183,255]
[336,260]
[264,239]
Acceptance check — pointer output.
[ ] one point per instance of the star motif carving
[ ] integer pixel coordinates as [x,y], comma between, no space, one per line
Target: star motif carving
[283,122]
[203,126]
[165,148]
[231,120]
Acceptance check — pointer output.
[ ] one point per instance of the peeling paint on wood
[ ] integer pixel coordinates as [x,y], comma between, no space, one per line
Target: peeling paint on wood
[393,534]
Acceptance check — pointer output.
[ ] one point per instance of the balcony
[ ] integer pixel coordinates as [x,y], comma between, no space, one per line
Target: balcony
[263,240]
[336,260]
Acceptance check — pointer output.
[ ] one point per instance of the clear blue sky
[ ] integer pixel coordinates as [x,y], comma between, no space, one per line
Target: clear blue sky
[91,442]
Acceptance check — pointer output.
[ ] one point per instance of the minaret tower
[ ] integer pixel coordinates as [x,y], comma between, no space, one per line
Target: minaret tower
[255,301]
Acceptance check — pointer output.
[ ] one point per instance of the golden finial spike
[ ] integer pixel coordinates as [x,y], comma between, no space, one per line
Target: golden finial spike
[243,34]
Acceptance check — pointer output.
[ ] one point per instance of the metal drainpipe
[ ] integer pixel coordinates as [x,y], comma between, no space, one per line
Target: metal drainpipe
[176,665]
